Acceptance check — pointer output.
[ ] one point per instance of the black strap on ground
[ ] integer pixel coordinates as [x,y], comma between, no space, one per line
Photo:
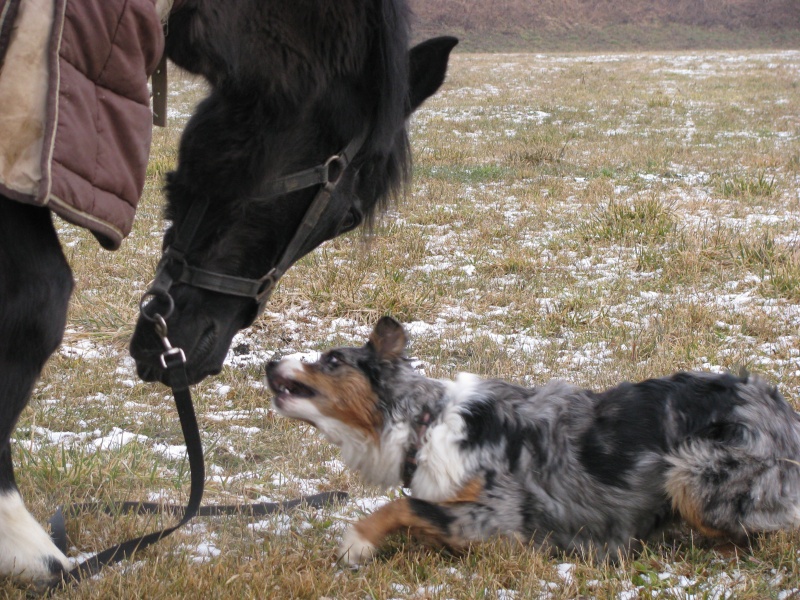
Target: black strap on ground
[175,364]
[194,449]
[257,509]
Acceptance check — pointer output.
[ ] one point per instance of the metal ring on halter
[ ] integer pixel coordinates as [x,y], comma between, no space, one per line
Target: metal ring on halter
[267,286]
[332,176]
[144,303]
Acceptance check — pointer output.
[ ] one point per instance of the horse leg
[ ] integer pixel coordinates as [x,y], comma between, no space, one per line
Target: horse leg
[35,285]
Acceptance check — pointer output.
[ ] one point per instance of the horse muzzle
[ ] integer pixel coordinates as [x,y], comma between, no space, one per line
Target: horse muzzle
[201,324]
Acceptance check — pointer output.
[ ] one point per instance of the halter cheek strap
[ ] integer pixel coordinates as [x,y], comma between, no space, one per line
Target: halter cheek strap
[173,266]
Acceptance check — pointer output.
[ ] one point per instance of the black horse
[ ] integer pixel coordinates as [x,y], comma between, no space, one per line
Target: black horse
[294,85]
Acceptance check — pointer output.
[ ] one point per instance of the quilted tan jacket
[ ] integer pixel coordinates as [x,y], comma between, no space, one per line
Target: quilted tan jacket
[75,117]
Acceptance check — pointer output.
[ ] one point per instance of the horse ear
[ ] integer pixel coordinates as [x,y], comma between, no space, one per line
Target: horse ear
[427,68]
[388,339]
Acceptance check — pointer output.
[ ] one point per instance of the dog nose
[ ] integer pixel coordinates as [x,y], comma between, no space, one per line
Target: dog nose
[270,367]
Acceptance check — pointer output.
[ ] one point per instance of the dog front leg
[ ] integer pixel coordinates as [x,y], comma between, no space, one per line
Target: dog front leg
[422,519]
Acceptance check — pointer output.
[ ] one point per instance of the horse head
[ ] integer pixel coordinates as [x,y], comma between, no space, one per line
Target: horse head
[304,130]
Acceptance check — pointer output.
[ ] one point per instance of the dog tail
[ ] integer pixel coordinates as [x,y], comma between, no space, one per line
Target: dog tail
[741,475]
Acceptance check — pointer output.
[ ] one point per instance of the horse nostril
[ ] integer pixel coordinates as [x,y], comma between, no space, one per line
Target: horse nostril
[146,372]
[206,342]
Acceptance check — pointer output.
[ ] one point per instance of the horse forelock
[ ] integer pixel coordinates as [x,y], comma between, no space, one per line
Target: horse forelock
[287,52]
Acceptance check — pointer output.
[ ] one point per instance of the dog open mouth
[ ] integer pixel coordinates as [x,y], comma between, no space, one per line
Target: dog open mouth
[284,387]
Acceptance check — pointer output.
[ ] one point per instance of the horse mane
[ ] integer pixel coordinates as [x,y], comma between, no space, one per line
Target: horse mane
[391,67]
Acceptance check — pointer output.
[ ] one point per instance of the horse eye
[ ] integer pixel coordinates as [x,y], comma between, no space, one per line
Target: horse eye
[350,221]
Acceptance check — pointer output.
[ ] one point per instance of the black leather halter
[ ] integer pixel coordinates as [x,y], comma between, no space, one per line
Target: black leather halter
[173,267]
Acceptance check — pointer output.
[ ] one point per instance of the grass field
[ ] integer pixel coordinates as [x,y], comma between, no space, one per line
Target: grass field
[596,218]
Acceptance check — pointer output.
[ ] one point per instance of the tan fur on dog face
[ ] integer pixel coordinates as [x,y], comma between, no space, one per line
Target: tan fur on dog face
[344,395]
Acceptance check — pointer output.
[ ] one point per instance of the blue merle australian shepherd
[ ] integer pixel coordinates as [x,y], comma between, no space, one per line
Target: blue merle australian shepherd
[563,467]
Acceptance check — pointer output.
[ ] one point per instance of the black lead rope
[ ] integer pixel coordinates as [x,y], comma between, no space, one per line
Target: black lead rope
[174,362]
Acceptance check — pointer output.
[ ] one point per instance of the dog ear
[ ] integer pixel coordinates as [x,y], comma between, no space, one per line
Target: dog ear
[388,339]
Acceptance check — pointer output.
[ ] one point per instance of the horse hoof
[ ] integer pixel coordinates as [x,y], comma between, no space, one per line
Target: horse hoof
[27,554]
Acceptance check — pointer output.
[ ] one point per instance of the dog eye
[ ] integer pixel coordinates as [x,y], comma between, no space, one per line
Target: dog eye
[332,361]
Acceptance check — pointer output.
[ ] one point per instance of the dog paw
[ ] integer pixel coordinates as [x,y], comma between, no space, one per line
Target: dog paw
[355,549]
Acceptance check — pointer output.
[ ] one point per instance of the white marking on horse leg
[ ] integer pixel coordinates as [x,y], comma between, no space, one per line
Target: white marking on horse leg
[26,551]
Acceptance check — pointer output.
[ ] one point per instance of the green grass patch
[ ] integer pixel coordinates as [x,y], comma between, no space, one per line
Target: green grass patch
[647,220]
[746,187]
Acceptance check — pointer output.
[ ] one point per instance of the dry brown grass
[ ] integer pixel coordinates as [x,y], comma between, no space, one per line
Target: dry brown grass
[592,217]
[603,25]
[566,14]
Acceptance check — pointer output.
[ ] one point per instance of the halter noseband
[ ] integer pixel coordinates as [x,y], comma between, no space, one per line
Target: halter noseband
[173,267]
